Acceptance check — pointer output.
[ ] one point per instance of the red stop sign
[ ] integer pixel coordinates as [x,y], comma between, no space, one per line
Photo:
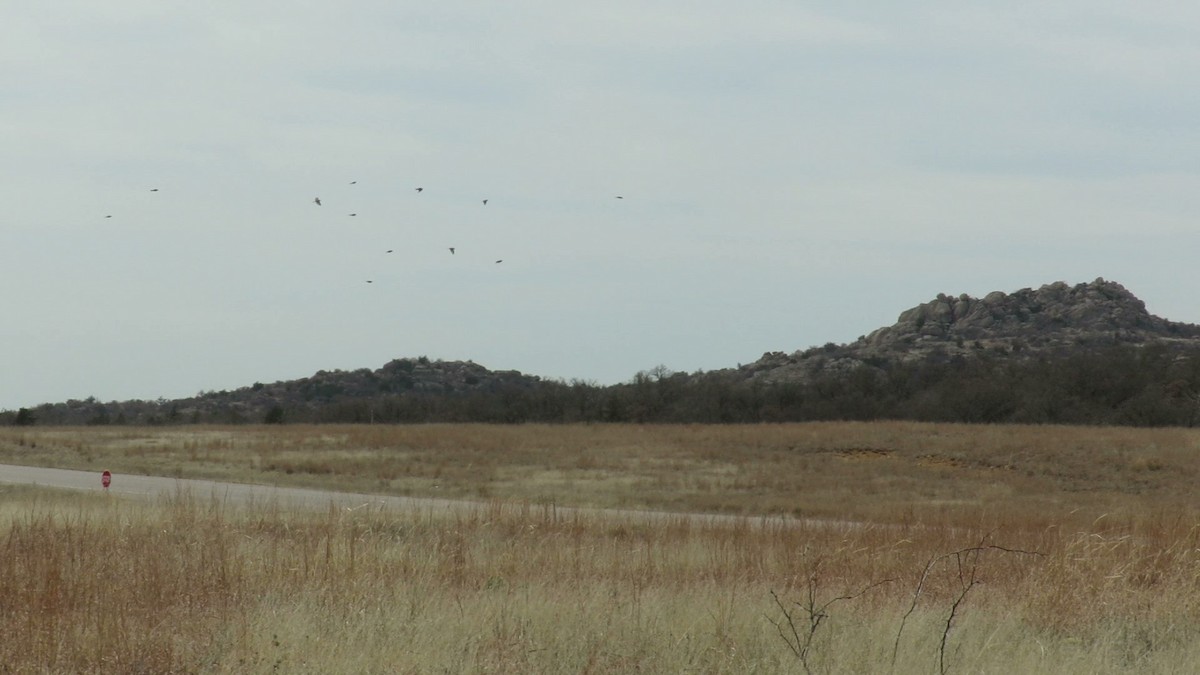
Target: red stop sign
[106,478]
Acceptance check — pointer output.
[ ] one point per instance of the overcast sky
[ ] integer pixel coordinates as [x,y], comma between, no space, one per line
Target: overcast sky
[792,173]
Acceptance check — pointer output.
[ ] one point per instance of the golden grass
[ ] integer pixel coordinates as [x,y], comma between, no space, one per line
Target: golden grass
[881,472]
[1068,550]
[90,583]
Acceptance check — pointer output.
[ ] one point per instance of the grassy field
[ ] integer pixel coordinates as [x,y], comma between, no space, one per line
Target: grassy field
[972,549]
[881,472]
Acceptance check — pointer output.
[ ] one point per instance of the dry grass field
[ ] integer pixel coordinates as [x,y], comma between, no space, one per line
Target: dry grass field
[921,548]
[879,472]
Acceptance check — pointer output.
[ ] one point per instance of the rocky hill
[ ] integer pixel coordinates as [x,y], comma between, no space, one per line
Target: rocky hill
[325,396]
[1083,354]
[1054,319]
[418,377]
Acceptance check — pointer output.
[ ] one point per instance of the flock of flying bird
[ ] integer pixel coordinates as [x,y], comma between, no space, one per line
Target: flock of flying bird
[317,201]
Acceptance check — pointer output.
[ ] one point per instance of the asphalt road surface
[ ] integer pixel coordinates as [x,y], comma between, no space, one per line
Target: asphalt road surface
[241,493]
[150,487]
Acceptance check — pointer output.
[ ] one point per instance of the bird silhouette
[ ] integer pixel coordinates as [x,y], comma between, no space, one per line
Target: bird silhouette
[354,214]
[317,201]
[389,250]
[108,216]
[451,250]
[499,261]
[369,281]
[620,197]
[154,189]
[485,202]
[353,182]
[420,189]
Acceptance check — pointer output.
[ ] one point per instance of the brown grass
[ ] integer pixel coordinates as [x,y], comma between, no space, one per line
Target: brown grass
[984,549]
[93,584]
[881,472]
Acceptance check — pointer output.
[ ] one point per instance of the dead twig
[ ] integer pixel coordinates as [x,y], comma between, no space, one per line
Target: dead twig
[816,614]
[967,561]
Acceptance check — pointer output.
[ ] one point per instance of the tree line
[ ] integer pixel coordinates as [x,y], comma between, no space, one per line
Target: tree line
[1151,385]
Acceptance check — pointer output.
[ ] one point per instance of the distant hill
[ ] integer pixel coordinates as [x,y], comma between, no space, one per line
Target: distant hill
[402,390]
[417,377]
[1083,354]
[1054,320]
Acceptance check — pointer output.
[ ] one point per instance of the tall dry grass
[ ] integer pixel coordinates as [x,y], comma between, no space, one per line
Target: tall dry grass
[882,472]
[192,584]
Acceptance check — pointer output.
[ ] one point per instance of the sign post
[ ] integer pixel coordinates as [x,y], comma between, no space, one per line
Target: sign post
[106,479]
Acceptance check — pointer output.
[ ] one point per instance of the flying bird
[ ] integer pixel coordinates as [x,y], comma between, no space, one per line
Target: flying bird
[354,214]
[108,216]
[499,261]
[419,189]
[620,197]
[154,189]
[317,201]
[369,281]
[353,182]
[389,250]
[485,202]
[451,250]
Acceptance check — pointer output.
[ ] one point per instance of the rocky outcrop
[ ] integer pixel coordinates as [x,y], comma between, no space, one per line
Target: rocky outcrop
[1056,312]
[1028,322]
[302,398]
[400,376]
[1002,340]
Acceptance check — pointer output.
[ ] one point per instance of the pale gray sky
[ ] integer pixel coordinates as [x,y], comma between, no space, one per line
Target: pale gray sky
[792,174]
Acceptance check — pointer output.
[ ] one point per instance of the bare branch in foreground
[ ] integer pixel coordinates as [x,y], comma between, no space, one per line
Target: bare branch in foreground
[800,645]
[967,580]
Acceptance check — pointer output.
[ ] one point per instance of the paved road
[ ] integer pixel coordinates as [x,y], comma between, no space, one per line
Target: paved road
[241,493]
[149,487]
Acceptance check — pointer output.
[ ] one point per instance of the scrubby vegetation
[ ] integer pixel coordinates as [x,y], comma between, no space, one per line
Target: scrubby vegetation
[1084,354]
[1138,385]
[893,547]
[193,584]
